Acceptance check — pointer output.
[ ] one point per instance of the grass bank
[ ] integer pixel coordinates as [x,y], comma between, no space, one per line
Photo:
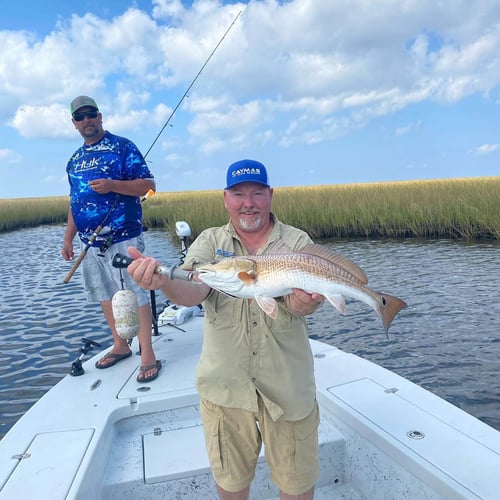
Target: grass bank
[451,208]
[30,212]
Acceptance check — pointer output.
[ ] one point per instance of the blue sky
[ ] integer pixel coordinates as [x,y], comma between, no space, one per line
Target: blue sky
[322,92]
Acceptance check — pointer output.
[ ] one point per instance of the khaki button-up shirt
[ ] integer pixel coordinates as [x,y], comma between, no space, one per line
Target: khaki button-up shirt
[245,352]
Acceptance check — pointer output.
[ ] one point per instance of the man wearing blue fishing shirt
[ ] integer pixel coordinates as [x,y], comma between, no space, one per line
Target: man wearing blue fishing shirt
[107,177]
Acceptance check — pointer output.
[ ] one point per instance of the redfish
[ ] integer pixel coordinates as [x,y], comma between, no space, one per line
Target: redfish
[313,268]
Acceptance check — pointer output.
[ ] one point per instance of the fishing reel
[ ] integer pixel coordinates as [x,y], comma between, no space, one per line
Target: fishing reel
[76,367]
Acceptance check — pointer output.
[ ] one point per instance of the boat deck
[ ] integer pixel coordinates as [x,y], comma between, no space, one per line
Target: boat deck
[102,435]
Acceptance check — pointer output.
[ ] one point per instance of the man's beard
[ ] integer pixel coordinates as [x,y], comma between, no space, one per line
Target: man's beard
[247,226]
[90,132]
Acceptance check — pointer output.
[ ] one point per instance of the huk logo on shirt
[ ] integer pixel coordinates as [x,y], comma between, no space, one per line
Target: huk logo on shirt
[86,165]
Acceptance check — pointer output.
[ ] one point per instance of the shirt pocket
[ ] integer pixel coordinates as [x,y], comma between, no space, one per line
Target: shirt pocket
[223,310]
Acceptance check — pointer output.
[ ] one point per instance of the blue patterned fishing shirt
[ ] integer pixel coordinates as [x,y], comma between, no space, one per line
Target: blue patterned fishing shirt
[113,157]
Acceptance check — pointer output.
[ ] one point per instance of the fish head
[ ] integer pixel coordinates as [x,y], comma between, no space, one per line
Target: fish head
[232,275]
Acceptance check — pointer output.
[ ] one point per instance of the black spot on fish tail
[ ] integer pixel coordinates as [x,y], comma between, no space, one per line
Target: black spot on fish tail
[389,307]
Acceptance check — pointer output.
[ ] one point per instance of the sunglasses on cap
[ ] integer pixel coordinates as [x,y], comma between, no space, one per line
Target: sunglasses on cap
[79,117]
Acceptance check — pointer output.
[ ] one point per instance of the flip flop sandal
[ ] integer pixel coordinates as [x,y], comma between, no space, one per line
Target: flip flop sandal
[142,378]
[114,357]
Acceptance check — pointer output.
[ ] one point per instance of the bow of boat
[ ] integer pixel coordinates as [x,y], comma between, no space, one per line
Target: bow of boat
[103,435]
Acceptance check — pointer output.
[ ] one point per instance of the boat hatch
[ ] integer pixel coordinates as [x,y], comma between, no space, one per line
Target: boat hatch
[177,373]
[174,454]
[52,458]
[438,442]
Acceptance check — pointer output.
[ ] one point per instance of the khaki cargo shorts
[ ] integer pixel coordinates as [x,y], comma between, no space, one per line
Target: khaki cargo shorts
[234,438]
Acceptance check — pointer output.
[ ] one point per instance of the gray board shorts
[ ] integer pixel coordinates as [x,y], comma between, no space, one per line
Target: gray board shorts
[102,280]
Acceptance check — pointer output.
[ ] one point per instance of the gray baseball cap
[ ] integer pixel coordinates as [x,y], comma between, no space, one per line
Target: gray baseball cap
[82,101]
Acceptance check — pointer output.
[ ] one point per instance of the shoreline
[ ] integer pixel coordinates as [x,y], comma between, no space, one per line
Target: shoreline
[462,209]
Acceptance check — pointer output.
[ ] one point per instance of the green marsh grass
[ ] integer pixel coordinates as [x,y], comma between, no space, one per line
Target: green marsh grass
[452,208]
[30,212]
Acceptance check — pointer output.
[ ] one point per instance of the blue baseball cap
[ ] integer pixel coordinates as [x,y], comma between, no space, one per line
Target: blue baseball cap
[246,171]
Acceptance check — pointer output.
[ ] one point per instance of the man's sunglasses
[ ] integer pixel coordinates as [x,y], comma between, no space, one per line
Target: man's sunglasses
[79,117]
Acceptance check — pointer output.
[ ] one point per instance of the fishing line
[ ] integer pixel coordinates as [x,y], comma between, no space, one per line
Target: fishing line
[115,202]
[193,82]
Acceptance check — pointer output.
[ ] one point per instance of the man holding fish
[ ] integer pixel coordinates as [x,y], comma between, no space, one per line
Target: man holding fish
[255,376]
[253,369]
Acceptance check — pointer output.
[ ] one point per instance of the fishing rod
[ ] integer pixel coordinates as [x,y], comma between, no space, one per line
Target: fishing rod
[193,82]
[96,232]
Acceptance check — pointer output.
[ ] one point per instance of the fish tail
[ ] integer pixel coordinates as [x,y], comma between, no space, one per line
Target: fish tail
[387,308]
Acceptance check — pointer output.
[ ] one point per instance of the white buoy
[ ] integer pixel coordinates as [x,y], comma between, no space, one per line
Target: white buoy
[126,314]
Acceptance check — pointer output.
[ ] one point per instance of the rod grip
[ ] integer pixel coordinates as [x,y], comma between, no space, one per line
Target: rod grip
[75,265]
[78,261]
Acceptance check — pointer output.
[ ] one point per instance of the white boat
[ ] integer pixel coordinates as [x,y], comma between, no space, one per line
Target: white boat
[103,436]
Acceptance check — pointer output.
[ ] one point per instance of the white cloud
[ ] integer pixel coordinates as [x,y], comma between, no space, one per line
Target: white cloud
[164,9]
[408,128]
[486,149]
[56,179]
[326,67]
[51,121]
[9,157]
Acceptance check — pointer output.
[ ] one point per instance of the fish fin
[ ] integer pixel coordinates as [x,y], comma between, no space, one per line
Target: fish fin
[338,302]
[337,259]
[248,277]
[277,247]
[268,305]
[387,308]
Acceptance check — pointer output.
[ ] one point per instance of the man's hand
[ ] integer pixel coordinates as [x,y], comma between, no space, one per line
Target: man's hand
[302,303]
[142,270]
[101,186]
[133,187]
[67,251]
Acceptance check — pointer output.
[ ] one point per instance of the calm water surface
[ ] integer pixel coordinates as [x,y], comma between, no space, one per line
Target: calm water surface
[447,340]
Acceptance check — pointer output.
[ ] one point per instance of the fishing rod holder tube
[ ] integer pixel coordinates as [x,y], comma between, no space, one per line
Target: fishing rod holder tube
[174,272]
[76,366]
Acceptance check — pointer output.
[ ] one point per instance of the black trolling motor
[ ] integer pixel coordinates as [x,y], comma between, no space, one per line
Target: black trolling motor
[87,346]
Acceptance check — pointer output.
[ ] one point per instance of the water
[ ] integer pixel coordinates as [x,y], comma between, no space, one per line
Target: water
[447,340]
